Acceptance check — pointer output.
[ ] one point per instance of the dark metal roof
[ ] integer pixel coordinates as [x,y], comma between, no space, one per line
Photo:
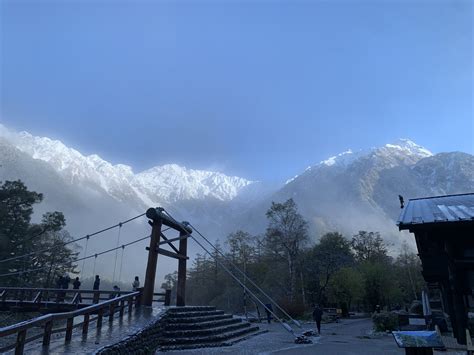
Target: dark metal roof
[440,209]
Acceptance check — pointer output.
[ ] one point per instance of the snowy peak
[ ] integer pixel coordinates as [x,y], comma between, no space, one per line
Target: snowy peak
[167,183]
[71,164]
[404,149]
[342,159]
[409,147]
[173,182]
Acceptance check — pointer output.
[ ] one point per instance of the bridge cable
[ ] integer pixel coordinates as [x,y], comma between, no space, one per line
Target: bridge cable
[116,252]
[121,263]
[246,277]
[85,253]
[80,259]
[72,241]
[93,268]
[87,257]
[282,322]
[241,272]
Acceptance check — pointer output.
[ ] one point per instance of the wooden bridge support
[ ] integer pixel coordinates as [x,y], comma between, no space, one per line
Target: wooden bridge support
[181,287]
[148,289]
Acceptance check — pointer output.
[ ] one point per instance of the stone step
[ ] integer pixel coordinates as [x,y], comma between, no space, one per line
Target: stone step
[215,338]
[202,325]
[205,332]
[191,309]
[199,319]
[227,342]
[194,314]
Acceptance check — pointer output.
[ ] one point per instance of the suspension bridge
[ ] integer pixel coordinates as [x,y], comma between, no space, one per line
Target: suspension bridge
[70,313]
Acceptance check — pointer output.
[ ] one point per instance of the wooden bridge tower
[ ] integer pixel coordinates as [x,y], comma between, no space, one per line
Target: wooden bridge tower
[157,220]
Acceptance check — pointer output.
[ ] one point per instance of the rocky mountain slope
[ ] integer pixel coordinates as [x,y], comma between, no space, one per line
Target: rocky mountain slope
[347,192]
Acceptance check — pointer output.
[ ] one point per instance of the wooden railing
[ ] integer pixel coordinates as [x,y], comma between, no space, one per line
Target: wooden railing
[80,298]
[108,308]
[120,301]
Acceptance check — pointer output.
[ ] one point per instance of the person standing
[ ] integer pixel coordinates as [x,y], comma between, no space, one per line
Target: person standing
[66,281]
[317,316]
[96,289]
[59,285]
[269,310]
[75,286]
[96,283]
[136,284]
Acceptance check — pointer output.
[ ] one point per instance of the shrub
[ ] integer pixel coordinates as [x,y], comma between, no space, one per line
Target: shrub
[385,321]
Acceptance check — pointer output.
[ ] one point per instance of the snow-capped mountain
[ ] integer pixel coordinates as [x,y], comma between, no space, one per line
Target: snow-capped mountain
[346,192]
[357,191]
[402,151]
[161,184]
[174,183]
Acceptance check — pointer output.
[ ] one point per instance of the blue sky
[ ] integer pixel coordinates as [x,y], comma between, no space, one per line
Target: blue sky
[259,89]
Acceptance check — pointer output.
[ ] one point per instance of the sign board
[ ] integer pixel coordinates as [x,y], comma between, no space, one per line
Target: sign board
[418,339]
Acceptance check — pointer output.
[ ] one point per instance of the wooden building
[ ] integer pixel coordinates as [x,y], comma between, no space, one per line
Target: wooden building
[444,233]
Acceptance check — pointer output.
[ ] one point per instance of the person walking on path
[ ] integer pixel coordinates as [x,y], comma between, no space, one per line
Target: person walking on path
[136,284]
[96,289]
[317,316]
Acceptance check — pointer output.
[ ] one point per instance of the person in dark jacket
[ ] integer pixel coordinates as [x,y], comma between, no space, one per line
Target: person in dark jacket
[96,283]
[317,316]
[96,289]
[66,281]
[269,310]
[76,284]
[59,285]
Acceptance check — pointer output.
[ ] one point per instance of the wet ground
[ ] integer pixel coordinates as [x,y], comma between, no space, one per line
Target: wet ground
[110,333]
[349,336]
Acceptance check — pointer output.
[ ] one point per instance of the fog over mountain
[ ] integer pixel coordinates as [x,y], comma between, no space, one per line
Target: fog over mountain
[346,193]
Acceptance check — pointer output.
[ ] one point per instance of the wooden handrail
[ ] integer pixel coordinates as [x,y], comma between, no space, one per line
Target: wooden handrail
[70,290]
[15,328]
[4,291]
[101,309]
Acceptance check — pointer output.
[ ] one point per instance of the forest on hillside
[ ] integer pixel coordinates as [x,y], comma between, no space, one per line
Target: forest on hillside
[32,254]
[356,273]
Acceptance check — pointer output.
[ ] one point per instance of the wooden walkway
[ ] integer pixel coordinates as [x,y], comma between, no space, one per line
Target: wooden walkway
[62,307]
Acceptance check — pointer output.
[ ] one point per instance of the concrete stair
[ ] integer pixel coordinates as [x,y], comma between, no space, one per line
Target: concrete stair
[200,327]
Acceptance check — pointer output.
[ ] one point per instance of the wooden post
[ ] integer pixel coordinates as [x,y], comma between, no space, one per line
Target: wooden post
[100,313]
[167,297]
[85,324]
[111,312]
[181,289]
[130,304]
[48,327]
[69,324]
[96,297]
[122,306]
[20,342]
[149,287]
